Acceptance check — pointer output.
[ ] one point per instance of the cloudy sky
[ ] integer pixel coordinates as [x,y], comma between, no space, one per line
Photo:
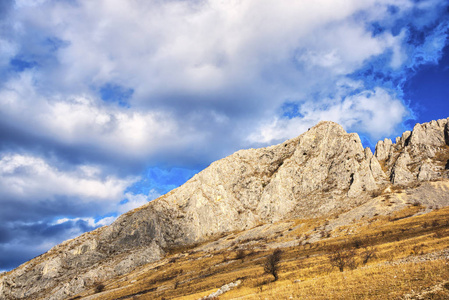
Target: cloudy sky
[107,104]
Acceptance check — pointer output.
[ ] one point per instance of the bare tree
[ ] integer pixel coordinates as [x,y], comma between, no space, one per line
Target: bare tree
[271,265]
[342,258]
[368,253]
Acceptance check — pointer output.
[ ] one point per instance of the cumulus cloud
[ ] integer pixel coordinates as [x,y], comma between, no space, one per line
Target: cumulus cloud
[225,64]
[81,121]
[375,112]
[28,175]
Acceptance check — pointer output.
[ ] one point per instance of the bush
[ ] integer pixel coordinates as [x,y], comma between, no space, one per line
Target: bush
[99,288]
[271,265]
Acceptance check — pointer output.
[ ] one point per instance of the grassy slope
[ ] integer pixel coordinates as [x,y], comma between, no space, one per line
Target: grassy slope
[411,257]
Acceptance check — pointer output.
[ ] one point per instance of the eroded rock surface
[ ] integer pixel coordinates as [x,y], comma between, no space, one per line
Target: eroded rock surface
[322,172]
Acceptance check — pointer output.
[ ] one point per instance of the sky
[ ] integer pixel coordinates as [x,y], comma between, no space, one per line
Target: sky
[108,104]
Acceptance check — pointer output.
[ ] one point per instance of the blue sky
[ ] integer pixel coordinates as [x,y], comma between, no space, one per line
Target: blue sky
[107,104]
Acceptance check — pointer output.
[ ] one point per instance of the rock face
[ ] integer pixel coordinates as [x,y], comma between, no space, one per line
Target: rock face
[322,172]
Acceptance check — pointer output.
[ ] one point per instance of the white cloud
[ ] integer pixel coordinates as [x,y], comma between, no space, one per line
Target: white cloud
[137,200]
[81,120]
[156,47]
[198,69]
[91,222]
[375,112]
[30,177]
[28,3]
[7,50]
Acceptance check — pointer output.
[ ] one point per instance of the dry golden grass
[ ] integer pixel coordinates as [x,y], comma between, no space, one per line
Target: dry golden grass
[379,282]
[405,261]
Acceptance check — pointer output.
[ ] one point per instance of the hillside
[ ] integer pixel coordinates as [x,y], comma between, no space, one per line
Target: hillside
[409,260]
[306,196]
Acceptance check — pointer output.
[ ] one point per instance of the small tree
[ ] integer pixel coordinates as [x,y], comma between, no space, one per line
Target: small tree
[271,265]
[342,258]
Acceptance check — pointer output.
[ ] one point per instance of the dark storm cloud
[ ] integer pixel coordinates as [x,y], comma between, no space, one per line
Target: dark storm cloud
[12,257]
[38,209]
[20,242]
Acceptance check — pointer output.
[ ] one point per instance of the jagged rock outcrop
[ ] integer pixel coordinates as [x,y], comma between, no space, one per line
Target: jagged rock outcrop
[419,155]
[322,172]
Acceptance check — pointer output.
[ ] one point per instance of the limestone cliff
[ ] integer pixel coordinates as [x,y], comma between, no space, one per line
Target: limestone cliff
[324,171]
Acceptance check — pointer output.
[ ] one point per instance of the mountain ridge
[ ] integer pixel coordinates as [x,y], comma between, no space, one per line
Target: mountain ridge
[323,171]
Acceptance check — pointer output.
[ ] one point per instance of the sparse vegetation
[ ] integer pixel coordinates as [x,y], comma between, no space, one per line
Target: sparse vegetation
[398,257]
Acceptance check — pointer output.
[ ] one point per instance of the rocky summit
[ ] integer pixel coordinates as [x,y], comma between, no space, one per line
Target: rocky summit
[323,172]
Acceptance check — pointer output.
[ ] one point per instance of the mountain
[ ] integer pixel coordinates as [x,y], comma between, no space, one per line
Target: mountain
[325,172]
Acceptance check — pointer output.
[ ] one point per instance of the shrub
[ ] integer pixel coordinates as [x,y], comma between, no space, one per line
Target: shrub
[240,255]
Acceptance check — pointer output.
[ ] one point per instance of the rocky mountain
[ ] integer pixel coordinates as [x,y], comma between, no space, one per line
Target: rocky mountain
[323,172]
